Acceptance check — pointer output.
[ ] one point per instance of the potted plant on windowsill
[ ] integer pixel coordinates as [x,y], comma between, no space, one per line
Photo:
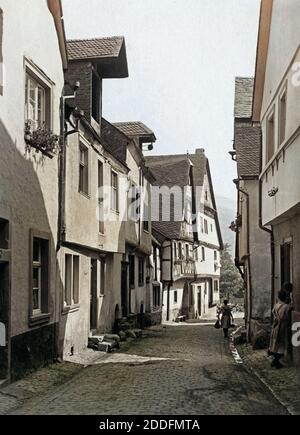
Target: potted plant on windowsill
[42,139]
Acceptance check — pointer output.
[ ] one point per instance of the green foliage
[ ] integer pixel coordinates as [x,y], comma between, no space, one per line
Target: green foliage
[231,283]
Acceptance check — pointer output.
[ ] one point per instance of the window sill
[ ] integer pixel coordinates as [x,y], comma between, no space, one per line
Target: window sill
[71,309]
[39,319]
[86,195]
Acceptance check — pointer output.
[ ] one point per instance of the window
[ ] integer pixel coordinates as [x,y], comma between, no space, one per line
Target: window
[1,55]
[196,254]
[187,252]
[4,234]
[175,297]
[141,272]
[175,251]
[180,251]
[205,226]
[114,191]
[146,217]
[100,197]
[215,256]
[211,228]
[131,260]
[37,102]
[40,276]
[216,286]
[83,169]
[282,117]
[96,97]
[203,253]
[71,296]
[206,195]
[270,138]
[202,225]
[156,296]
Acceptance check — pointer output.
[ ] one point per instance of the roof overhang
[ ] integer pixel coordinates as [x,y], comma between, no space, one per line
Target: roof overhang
[111,66]
[261,56]
[55,7]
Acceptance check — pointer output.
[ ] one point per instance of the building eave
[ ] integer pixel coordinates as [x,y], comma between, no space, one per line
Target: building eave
[55,7]
[261,56]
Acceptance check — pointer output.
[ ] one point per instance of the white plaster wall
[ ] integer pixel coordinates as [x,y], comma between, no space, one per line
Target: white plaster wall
[282,57]
[82,224]
[28,185]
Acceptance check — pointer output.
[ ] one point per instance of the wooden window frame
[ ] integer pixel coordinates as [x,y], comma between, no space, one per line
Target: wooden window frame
[72,299]
[34,74]
[115,191]
[281,124]
[41,316]
[84,175]
[270,148]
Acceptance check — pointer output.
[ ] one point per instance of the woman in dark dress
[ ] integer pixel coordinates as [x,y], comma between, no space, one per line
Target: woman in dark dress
[226,318]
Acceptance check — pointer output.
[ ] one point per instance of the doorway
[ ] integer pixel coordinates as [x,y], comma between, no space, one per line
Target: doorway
[4,319]
[199,302]
[94,296]
[124,289]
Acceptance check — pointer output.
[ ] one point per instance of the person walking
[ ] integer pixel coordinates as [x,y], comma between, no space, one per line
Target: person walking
[279,334]
[226,318]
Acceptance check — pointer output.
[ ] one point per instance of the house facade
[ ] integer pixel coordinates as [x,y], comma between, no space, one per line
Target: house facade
[275,107]
[253,241]
[32,72]
[190,236]
[105,189]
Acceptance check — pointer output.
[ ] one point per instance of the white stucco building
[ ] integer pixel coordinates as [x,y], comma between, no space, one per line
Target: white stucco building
[32,72]
[276,108]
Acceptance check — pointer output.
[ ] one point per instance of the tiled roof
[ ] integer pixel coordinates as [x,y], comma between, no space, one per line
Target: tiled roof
[243,97]
[114,140]
[135,129]
[170,171]
[247,146]
[80,49]
[198,160]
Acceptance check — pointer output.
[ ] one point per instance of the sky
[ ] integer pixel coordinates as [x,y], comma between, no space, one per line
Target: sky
[183,57]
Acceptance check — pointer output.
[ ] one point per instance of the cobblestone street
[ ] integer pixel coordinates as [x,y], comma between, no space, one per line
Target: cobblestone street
[199,376]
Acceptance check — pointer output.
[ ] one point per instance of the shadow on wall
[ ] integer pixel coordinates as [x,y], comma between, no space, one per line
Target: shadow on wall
[22,203]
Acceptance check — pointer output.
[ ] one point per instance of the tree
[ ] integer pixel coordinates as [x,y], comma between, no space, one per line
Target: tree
[231,282]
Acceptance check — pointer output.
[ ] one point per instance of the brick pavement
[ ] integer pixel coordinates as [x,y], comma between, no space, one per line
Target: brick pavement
[198,377]
[284,383]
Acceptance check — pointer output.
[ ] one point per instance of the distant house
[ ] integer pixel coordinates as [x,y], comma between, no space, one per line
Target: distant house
[253,241]
[275,107]
[189,235]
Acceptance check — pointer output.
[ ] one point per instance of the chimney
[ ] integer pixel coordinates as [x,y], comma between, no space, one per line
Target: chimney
[200,151]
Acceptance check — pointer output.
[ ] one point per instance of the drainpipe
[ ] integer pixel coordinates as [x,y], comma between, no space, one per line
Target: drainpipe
[237,247]
[250,306]
[271,233]
[64,133]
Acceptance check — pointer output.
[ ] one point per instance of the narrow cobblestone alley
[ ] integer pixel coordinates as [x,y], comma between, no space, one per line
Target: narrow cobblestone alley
[200,376]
